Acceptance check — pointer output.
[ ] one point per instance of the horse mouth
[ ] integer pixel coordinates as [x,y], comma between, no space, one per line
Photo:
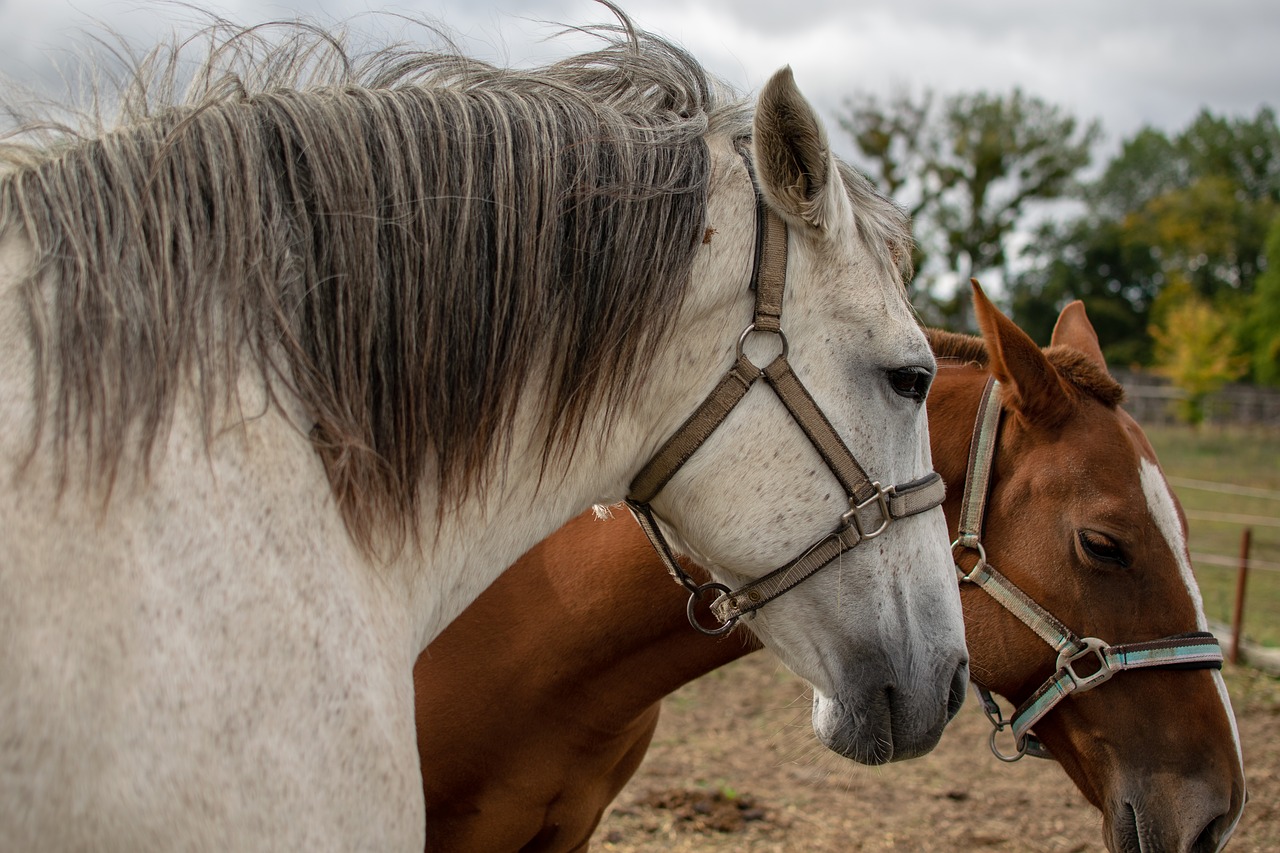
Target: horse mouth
[1124,831]
[870,732]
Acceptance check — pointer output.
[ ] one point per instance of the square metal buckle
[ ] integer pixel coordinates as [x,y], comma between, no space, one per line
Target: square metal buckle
[880,498]
[1092,646]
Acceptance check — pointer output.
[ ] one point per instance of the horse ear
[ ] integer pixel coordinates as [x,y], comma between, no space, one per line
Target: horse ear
[1074,331]
[793,159]
[1031,386]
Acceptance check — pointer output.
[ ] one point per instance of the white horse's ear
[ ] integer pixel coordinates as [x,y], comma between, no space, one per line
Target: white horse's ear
[793,159]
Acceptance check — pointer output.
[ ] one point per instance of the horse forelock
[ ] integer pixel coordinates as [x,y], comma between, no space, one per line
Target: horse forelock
[400,241]
[1080,373]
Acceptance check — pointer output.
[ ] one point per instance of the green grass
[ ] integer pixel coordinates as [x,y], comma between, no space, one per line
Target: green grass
[1249,458]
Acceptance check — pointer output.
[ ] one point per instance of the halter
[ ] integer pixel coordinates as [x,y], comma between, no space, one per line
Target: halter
[871,507]
[1195,650]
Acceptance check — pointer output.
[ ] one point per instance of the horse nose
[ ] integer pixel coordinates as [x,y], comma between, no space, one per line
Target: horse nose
[959,687]
[1214,835]
[1201,823]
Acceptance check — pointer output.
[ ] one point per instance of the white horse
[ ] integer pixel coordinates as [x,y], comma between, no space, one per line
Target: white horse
[288,375]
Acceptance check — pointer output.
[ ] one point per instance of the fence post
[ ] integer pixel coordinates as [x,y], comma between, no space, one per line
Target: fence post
[1237,620]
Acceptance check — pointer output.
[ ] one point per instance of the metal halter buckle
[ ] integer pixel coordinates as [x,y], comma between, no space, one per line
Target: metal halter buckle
[1092,646]
[853,515]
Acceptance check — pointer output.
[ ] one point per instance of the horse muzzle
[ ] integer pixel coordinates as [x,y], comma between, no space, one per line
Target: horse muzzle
[885,720]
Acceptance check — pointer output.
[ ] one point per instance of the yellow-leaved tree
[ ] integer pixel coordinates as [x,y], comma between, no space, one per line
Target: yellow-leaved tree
[1195,349]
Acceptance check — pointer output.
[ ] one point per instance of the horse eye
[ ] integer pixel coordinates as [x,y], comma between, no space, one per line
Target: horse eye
[910,382]
[1102,547]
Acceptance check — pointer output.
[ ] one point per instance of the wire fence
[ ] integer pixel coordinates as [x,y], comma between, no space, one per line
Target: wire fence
[1231,593]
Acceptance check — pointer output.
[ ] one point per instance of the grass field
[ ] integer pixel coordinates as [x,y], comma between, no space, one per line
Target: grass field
[1233,458]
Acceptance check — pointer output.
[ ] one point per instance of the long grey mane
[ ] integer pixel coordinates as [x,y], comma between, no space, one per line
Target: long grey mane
[396,239]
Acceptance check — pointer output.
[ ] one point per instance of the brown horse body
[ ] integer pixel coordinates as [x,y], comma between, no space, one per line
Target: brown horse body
[529,742]
[545,693]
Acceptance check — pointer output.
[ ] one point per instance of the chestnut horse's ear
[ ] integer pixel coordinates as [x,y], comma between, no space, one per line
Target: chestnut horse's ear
[1074,331]
[1031,386]
[794,165]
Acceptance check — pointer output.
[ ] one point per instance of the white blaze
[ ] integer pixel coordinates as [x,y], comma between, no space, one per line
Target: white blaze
[1162,508]
[1164,512]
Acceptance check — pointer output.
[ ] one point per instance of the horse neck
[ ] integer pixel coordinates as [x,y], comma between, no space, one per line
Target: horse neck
[593,626]
[534,497]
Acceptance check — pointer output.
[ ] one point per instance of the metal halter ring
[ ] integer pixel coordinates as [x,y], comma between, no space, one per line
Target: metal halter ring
[746,333]
[982,559]
[1019,743]
[695,596]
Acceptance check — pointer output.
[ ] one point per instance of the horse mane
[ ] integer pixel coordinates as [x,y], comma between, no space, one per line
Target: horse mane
[396,239]
[1081,374]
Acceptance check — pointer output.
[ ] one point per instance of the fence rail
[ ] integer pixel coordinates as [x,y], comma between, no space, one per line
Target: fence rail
[1151,399]
[1224,488]
[1234,562]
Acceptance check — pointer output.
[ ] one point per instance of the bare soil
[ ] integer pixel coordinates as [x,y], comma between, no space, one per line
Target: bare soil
[734,766]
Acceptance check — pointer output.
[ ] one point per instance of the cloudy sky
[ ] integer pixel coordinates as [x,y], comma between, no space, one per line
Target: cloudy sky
[1125,62]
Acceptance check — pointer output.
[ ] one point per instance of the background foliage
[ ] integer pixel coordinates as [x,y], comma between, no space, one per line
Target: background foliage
[1173,243]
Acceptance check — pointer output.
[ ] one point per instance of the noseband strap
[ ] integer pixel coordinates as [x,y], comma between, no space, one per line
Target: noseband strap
[871,507]
[1083,663]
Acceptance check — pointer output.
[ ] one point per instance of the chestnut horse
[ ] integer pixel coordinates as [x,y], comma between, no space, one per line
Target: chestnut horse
[537,705]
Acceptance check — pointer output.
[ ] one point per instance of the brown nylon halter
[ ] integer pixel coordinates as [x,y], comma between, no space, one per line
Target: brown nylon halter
[871,507]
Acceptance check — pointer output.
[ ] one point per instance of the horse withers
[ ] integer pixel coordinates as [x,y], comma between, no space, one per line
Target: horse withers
[291,371]
[524,748]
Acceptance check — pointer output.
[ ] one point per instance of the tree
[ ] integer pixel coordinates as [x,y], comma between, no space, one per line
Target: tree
[1194,350]
[1089,259]
[894,141]
[968,169]
[1193,208]
[1260,328]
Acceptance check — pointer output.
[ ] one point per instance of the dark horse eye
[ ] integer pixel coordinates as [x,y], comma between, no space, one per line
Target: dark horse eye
[911,382]
[1102,547]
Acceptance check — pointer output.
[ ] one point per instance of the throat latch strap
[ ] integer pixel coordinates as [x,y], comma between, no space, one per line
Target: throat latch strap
[863,521]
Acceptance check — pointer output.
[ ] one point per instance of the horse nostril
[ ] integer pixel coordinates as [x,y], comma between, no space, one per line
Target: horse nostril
[1210,838]
[959,686]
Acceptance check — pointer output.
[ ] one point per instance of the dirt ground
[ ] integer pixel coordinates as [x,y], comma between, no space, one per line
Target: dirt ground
[734,766]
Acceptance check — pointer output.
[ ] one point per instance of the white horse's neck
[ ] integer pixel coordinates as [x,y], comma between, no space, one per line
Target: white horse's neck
[525,502]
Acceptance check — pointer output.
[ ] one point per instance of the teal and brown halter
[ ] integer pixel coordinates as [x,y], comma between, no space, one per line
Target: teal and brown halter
[1098,660]
[872,507]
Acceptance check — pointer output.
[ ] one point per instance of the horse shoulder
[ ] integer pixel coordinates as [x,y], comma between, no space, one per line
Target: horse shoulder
[209,613]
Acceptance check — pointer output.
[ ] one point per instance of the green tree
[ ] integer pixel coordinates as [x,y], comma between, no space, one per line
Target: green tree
[1089,259]
[1193,207]
[1260,328]
[967,168]
[895,142]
